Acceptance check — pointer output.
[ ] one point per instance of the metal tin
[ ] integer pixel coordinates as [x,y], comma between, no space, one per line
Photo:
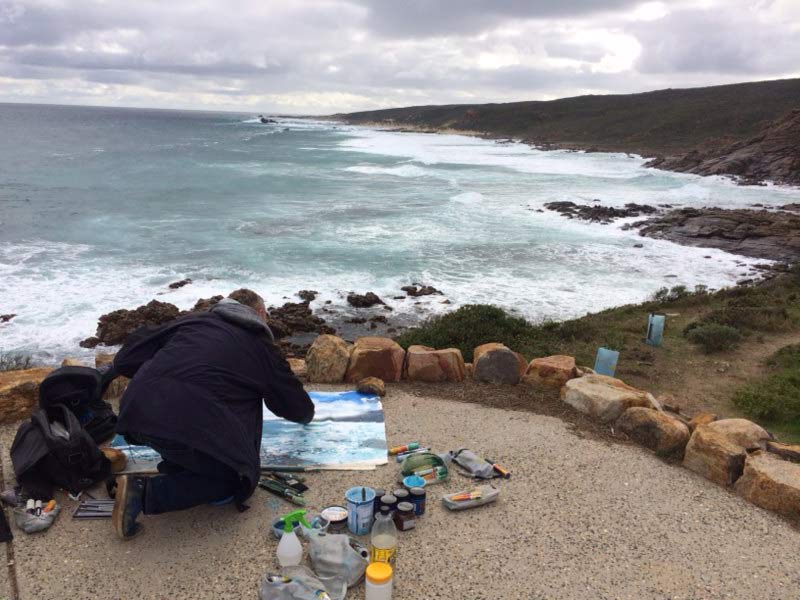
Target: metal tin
[418,498]
[336,517]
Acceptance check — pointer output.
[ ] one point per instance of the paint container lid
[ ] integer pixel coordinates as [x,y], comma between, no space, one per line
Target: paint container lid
[413,481]
[417,491]
[400,494]
[334,514]
[405,507]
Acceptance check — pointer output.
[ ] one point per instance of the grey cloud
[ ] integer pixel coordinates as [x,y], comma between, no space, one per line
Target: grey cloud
[717,42]
[416,18]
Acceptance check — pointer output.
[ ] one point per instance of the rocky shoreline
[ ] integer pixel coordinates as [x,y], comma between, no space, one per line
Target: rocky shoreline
[295,325]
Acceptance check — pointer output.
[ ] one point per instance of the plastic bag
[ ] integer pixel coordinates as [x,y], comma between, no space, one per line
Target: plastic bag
[429,466]
[337,559]
[295,583]
[31,523]
[473,464]
[487,494]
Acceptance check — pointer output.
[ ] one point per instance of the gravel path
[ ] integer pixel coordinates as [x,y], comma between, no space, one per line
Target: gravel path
[580,518]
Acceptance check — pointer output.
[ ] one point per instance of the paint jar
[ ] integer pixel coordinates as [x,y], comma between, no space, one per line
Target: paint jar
[404,517]
[379,493]
[401,494]
[378,581]
[389,501]
[336,516]
[418,497]
[360,509]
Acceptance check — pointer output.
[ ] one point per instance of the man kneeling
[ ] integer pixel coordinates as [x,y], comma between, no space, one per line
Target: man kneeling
[195,396]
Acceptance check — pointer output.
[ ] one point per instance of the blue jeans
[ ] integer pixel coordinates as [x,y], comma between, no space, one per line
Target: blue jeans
[188,478]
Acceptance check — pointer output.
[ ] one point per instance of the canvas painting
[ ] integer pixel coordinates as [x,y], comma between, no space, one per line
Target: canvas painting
[348,432]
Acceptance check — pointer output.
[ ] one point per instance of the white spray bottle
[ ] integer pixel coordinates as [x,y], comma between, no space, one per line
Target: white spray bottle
[290,550]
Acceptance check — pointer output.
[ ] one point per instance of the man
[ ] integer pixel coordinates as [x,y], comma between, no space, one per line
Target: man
[195,397]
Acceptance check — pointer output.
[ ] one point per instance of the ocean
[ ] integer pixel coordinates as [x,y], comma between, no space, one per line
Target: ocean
[101,208]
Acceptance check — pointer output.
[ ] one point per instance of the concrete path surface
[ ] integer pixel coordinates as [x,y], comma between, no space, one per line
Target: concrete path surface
[580,518]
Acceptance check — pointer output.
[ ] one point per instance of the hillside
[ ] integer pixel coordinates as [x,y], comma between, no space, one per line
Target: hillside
[660,123]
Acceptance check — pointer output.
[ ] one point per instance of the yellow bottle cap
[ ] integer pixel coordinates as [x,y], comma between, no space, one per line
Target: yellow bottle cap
[379,572]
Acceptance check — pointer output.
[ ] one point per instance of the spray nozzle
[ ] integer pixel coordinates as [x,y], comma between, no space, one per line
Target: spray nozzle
[291,520]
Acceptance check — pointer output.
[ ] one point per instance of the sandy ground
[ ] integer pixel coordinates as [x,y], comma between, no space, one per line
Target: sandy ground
[580,518]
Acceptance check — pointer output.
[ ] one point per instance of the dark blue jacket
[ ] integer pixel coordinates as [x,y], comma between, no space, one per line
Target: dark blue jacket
[200,381]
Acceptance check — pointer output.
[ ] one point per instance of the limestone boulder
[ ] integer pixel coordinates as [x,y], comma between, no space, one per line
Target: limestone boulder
[72,362]
[718,450]
[19,393]
[427,364]
[119,385]
[771,483]
[327,359]
[659,431]
[371,385]
[785,451]
[495,363]
[468,370]
[604,398]
[703,418]
[550,371]
[375,357]
[298,367]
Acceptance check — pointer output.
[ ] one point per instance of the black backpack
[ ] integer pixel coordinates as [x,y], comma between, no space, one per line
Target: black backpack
[42,458]
[81,390]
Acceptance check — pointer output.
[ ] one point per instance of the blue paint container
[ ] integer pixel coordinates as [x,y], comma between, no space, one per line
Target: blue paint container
[360,509]
[606,362]
[655,329]
[413,481]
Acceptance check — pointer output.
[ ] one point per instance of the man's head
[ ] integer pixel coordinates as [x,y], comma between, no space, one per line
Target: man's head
[251,299]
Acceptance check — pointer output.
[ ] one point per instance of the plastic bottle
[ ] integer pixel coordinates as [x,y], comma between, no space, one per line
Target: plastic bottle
[383,542]
[290,550]
[378,581]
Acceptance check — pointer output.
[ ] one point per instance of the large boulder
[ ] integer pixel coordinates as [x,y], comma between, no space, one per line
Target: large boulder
[550,371]
[363,300]
[771,483]
[657,430]
[375,357]
[327,359]
[119,385]
[298,367]
[427,364]
[113,328]
[604,398]
[703,418]
[19,393]
[718,450]
[495,363]
[785,451]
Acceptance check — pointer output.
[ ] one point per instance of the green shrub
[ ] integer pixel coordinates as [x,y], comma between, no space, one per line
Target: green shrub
[468,327]
[713,337]
[758,318]
[15,361]
[777,397]
[671,294]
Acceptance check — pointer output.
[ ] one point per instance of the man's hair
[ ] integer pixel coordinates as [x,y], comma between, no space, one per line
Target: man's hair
[248,298]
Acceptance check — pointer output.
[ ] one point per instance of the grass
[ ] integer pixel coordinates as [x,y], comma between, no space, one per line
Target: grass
[775,399]
[758,312]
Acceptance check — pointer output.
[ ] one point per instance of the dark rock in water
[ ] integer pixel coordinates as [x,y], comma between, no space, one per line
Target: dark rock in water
[773,154]
[204,304]
[363,301]
[357,320]
[600,214]
[420,290]
[179,284]
[113,328]
[638,245]
[90,342]
[378,319]
[307,295]
[794,206]
[7,318]
[294,317]
[398,297]
[756,233]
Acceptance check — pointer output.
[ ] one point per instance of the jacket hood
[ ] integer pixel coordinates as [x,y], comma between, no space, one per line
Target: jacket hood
[241,315]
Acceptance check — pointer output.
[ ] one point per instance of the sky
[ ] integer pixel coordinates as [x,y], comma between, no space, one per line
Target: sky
[328,56]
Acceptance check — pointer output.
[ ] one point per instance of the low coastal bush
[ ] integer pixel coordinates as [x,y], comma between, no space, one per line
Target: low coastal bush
[467,327]
[776,398]
[15,361]
[713,337]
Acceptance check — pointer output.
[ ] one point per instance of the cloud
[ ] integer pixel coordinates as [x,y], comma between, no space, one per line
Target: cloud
[323,56]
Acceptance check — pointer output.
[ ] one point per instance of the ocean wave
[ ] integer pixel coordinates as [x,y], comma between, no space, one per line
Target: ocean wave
[396,171]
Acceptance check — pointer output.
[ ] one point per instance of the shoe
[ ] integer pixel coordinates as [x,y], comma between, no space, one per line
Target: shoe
[128,504]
